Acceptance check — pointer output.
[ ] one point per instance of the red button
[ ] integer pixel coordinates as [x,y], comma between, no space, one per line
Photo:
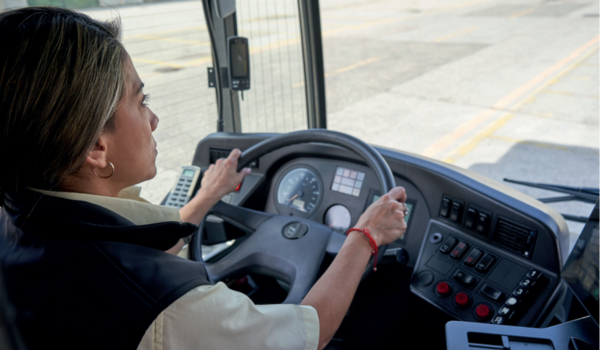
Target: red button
[483,312]
[443,289]
[238,187]
[462,299]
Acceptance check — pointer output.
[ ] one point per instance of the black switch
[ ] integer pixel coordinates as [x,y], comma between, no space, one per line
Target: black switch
[492,293]
[512,301]
[459,250]
[456,212]
[471,218]
[520,292]
[465,278]
[534,274]
[445,210]
[448,245]
[483,223]
[498,319]
[473,257]
[527,282]
[507,312]
[486,262]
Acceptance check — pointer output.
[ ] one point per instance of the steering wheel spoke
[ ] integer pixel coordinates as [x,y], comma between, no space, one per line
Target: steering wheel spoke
[269,252]
[247,220]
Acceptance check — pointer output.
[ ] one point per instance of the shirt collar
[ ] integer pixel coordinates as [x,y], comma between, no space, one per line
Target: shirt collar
[128,204]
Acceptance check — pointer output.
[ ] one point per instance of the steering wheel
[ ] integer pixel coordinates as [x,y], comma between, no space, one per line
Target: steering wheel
[267,250]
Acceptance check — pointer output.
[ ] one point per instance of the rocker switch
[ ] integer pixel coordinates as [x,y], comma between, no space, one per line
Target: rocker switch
[448,245]
[456,212]
[485,263]
[483,223]
[445,210]
[473,257]
[459,250]
[471,218]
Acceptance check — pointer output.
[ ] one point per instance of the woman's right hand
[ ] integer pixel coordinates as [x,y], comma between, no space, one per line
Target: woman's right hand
[385,217]
[222,177]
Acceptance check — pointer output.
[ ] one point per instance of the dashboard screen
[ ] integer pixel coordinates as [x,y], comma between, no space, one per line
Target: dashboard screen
[348,181]
[581,269]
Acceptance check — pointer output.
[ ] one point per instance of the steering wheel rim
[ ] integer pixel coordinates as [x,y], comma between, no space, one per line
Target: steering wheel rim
[368,154]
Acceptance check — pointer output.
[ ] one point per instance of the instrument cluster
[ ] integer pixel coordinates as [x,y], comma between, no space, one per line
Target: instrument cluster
[334,194]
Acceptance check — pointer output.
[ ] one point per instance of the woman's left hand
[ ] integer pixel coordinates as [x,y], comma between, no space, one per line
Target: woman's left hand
[222,177]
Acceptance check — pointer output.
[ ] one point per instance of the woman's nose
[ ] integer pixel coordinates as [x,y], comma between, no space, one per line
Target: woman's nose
[154,121]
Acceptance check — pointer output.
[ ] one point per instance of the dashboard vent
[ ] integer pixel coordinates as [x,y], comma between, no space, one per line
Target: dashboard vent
[216,153]
[516,238]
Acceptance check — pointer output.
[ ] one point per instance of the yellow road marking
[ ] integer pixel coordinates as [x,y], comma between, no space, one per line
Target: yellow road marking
[173,40]
[288,42]
[567,93]
[455,34]
[539,144]
[458,6]
[345,69]
[582,78]
[177,30]
[501,104]
[361,26]
[192,63]
[425,13]
[275,45]
[522,13]
[470,144]
[475,140]
[159,63]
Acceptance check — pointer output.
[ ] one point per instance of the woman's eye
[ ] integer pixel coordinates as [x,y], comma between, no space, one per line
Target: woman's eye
[146,100]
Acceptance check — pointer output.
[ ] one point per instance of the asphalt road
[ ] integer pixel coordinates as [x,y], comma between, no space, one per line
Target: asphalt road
[508,89]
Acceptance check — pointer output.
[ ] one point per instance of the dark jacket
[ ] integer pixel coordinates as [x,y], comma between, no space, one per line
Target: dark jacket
[83,277]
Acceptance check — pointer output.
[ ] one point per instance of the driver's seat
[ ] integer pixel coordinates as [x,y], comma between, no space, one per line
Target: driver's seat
[10,339]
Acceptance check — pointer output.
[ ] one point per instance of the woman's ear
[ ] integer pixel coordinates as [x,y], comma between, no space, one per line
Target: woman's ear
[97,156]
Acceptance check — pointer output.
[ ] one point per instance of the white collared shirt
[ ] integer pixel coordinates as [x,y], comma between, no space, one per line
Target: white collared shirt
[211,317]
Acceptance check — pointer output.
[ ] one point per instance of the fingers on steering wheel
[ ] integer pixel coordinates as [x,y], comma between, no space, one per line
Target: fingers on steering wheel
[398,193]
[234,155]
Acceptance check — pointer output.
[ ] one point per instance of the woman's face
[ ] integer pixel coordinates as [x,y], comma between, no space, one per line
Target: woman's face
[131,146]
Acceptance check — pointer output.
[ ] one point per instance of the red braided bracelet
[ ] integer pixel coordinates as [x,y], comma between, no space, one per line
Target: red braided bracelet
[371,242]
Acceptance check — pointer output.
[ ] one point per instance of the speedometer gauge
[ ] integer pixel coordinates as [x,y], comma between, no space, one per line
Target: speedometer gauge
[300,189]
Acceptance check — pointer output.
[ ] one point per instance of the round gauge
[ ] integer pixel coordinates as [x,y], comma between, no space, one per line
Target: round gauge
[338,218]
[299,189]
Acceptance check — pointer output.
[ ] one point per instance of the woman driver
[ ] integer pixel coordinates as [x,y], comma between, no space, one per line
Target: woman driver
[83,255]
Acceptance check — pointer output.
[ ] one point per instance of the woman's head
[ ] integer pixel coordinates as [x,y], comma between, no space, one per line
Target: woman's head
[62,75]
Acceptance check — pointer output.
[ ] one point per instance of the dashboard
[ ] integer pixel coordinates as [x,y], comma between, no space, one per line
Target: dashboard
[478,250]
[334,193]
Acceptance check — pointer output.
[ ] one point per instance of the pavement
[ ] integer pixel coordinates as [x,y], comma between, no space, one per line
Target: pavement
[508,89]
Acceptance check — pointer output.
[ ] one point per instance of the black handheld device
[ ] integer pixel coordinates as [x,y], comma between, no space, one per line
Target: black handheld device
[239,63]
[184,187]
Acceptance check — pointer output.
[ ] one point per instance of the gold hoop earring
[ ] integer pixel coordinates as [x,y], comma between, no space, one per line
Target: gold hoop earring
[106,177]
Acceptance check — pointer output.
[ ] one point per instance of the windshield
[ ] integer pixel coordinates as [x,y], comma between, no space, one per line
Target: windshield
[507,90]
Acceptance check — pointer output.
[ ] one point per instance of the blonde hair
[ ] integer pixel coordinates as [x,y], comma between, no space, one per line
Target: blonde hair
[62,75]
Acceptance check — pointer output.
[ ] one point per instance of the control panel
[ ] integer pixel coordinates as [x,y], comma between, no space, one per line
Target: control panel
[482,223]
[473,280]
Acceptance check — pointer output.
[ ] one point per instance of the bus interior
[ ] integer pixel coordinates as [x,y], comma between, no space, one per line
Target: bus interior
[482,265]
